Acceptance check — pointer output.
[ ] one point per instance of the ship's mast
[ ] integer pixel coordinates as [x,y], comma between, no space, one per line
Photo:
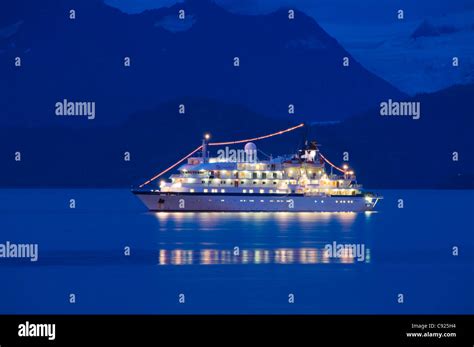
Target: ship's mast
[205,140]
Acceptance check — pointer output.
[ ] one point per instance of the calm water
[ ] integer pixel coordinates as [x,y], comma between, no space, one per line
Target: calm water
[81,251]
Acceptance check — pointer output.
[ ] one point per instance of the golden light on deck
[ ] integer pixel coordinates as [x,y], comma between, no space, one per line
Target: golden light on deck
[207,136]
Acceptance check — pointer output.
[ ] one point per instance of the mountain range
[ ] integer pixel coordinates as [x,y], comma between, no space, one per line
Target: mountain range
[190,62]
[384,151]
[281,62]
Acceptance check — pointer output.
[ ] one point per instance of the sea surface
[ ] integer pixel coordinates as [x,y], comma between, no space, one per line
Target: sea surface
[116,257]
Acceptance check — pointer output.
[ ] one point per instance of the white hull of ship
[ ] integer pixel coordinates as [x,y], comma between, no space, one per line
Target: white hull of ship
[253,203]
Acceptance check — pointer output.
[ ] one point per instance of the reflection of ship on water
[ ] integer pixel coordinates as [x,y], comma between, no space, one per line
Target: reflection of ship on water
[256,256]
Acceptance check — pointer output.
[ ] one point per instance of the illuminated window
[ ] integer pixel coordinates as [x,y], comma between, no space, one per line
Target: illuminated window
[206,190]
[191,190]
[250,190]
[244,191]
[262,191]
[222,190]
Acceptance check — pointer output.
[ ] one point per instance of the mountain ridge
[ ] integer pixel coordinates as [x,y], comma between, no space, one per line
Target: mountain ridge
[384,152]
[282,62]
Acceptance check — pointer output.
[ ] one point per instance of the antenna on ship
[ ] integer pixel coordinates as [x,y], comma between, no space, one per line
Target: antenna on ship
[305,135]
[301,144]
[205,140]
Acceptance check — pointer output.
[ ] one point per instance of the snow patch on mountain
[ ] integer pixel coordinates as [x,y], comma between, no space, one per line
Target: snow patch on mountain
[421,62]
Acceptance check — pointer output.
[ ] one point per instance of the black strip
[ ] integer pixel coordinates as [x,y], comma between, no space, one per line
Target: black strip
[98,330]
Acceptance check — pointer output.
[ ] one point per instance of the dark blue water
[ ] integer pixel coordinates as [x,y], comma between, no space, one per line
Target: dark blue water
[407,251]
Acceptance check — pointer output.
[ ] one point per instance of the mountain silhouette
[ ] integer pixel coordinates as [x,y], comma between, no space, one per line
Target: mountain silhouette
[399,152]
[385,152]
[282,62]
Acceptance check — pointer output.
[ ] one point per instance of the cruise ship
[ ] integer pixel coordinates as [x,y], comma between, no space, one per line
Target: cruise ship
[246,180]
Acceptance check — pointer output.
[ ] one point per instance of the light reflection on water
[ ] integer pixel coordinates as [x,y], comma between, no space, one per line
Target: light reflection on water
[255,256]
[284,221]
[207,238]
[346,217]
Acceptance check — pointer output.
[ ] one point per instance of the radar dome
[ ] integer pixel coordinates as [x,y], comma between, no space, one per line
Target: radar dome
[250,152]
[250,147]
